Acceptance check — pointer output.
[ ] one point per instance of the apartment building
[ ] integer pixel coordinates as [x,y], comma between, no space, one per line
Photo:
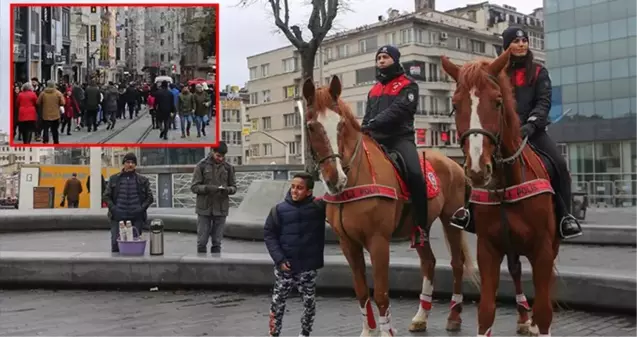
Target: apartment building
[162,37]
[135,37]
[498,18]
[275,77]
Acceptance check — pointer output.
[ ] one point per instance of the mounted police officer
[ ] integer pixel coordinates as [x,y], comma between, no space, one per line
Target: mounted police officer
[532,86]
[389,119]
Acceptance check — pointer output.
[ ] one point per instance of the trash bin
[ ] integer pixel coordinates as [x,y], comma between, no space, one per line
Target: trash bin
[156,237]
[579,204]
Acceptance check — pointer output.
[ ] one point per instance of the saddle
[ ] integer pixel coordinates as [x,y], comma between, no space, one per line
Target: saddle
[397,160]
[547,162]
[432,181]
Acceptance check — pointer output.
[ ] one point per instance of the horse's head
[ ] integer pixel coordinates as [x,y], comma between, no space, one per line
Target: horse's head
[324,121]
[479,103]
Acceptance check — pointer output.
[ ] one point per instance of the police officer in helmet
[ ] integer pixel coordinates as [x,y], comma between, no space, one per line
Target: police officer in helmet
[389,119]
[532,86]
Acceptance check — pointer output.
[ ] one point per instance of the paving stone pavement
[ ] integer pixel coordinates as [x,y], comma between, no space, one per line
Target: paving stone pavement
[606,259]
[216,313]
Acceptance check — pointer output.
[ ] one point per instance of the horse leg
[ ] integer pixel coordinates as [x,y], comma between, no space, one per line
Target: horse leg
[354,254]
[427,269]
[489,259]
[515,269]
[454,239]
[542,264]
[379,253]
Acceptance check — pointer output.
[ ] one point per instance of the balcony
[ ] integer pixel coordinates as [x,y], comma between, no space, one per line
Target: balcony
[439,85]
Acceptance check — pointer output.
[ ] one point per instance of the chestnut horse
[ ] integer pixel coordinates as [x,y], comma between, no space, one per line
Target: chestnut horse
[366,200]
[512,195]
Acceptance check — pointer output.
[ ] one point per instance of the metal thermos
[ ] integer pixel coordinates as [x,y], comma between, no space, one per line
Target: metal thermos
[157,237]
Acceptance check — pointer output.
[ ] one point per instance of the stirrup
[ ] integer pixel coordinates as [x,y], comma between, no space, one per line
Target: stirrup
[461,214]
[569,217]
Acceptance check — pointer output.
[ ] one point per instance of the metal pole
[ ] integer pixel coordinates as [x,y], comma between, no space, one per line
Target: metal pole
[287,153]
[95,169]
[88,47]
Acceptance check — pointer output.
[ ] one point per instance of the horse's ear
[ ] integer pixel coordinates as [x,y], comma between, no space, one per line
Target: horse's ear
[308,89]
[498,64]
[450,68]
[335,87]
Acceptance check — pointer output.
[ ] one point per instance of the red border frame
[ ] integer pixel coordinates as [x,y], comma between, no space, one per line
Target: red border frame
[83,145]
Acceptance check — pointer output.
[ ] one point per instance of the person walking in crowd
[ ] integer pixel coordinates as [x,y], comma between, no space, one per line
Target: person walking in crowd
[71,110]
[127,196]
[175,92]
[213,181]
[131,100]
[27,112]
[109,105]
[294,235]
[186,108]
[16,108]
[165,108]
[93,98]
[50,101]
[78,96]
[202,103]
[121,102]
[37,89]
[150,102]
[72,191]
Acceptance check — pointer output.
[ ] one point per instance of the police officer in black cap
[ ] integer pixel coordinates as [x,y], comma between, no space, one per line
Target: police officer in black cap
[389,119]
[532,86]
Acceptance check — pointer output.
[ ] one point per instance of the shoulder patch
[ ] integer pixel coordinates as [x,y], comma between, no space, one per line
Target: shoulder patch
[411,97]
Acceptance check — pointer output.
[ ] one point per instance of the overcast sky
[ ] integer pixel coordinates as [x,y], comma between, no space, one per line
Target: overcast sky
[249,31]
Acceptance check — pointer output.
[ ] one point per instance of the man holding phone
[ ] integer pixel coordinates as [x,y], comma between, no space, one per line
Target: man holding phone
[213,181]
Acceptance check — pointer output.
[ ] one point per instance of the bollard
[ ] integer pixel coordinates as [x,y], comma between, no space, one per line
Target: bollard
[157,237]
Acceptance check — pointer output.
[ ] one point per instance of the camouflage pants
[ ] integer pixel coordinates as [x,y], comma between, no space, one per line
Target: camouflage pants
[285,282]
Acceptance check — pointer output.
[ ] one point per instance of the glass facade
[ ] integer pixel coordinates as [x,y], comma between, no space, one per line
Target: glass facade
[171,156]
[591,54]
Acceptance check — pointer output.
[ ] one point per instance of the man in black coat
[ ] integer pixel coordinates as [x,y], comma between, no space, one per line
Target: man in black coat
[165,108]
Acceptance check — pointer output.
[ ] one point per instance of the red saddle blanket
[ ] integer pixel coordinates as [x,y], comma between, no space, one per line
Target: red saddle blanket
[431,178]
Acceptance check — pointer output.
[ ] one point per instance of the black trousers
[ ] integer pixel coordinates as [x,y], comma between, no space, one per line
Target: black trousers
[54,128]
[562,182]
[415,179]
[26,131]
[90,119]
[164,124]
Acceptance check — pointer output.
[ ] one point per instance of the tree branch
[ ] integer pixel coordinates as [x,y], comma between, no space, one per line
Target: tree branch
[276,10]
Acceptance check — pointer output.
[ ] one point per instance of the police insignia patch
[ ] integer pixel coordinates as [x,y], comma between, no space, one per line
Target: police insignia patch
[432,179]
[410,97]
[519,33]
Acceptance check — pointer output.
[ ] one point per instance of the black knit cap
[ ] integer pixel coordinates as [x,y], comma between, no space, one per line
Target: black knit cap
[511,34]
[130,156]
[392,51]
[222,148]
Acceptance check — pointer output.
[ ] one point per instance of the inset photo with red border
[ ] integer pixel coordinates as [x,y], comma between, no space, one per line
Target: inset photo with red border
[114,75]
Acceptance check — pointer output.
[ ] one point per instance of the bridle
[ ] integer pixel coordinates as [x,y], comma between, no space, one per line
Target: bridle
[496,139]
[331,155]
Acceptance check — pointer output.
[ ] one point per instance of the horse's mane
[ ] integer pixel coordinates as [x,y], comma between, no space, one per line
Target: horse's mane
[474,74]
[323,100]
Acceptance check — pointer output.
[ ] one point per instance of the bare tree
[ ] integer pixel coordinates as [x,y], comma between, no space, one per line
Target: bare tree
[319,24]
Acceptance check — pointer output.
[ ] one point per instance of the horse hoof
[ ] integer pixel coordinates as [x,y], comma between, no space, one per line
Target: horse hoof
[418,326]
[368,333]
[453,325]
[523,328]
[531,329]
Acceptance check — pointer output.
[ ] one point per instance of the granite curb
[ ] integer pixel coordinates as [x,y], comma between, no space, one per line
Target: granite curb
[574,287]
[239,226]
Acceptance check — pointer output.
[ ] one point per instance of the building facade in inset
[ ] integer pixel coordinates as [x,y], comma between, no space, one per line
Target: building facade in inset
[591,54]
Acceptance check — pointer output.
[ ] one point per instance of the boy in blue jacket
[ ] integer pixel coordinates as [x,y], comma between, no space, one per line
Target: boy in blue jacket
[295,237]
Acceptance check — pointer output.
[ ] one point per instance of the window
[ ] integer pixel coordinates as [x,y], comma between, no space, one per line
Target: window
[433,72]
[602,70]
[600,32]
[329,54]
[290,91]
[360,108]
[620,69]
[161,57]
[621,107]
[366,75]
[406,36]
[161,42]
[231,137]
[422,105]
[161,29]
[601,51]
[265,70]
[458,43]
[291,120]
[289,65]
[231,116]
[342,51]
[254,150]
[552,40]
[253,73]
[585,72]
[391,39]
[478,47]
[118,53]
[422,36]
[583,35]
[294,147]
[267,149]
[266,96]
[254,98]
[619,48]
[602,90]
[368,45]
[266,123]
[618,29]
[567,38]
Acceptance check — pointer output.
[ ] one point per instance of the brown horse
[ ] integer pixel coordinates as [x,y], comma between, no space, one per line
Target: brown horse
[368,205]
[512,195]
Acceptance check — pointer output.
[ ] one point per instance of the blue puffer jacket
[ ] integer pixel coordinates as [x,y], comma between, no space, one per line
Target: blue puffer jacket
[297,235]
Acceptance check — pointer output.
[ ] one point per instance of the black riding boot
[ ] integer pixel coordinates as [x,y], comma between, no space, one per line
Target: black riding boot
[463,219]
[420,207]
[568,226]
